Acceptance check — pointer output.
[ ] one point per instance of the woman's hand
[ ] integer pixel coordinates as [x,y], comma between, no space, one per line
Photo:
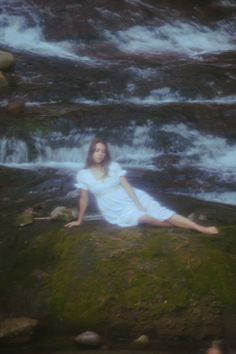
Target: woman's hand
[131,193]
[73,223]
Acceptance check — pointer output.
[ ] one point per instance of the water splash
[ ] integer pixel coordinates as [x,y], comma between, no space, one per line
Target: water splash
[183,38]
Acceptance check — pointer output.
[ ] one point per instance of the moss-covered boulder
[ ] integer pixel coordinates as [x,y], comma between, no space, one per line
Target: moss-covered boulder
[168,283]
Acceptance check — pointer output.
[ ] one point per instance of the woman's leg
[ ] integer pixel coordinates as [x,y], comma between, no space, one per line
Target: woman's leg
[146,219]
[181,221]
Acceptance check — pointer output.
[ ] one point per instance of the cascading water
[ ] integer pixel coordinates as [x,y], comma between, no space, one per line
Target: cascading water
[162,94]
[22,30]
[147,143]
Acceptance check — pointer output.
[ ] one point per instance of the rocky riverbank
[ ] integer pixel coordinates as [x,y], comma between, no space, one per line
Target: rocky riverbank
[171,284]
[156,80]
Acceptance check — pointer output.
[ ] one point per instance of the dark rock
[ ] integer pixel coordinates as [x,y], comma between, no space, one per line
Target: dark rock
[167,160]
[17,330]
[16,107]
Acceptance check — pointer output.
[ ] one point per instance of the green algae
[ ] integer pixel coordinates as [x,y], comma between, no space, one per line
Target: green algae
[122,281]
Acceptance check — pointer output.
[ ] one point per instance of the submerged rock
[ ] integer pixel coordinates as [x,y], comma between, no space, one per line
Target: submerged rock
[17,330]
[89,338]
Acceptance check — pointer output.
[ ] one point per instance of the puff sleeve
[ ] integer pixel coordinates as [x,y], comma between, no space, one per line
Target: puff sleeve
[119,170]
[81,180]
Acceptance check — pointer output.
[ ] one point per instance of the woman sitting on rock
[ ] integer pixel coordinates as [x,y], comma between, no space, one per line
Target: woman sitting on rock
[119,203]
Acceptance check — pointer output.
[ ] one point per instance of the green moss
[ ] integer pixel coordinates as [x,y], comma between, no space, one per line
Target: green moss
[109,279]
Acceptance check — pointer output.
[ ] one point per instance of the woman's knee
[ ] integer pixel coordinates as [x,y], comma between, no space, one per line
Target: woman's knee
[145,219]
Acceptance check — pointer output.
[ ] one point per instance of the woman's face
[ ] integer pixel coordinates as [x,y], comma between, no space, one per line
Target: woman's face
[99,153]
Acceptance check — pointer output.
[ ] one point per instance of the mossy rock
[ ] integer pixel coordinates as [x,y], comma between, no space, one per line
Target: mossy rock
[168,283]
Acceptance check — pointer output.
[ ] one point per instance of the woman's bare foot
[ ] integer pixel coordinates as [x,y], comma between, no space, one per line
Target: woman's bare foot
[211,230]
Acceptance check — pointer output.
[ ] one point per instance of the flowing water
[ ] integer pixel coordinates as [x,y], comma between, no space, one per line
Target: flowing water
[154,78]
[157,79]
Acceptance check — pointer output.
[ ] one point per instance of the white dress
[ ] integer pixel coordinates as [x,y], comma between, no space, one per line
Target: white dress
[114,202]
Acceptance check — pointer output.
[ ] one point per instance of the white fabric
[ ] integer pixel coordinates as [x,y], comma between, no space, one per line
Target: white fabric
[114,202]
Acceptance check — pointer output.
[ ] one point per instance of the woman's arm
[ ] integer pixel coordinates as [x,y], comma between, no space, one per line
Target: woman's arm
[83,203]
[124,182]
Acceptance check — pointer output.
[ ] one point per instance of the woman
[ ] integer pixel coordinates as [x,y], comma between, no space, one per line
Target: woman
[118,202]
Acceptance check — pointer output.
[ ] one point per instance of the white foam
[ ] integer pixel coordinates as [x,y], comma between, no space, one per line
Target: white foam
[165,96]
[17,33]
[160,96]
[212,152]
[40,103]
[179,37]
[226,3]
[89,102]
[142,73]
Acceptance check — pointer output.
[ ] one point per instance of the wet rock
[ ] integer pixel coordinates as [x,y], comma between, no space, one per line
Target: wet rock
[7,60]
[17,330]
[89,338]
[39,207]
[197,217]
[72,194]
[214,212]
[141,342]
[16,107]
[169,142]
[20,200]
[63,213]
[167,160]
[25,218]
[3,81]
